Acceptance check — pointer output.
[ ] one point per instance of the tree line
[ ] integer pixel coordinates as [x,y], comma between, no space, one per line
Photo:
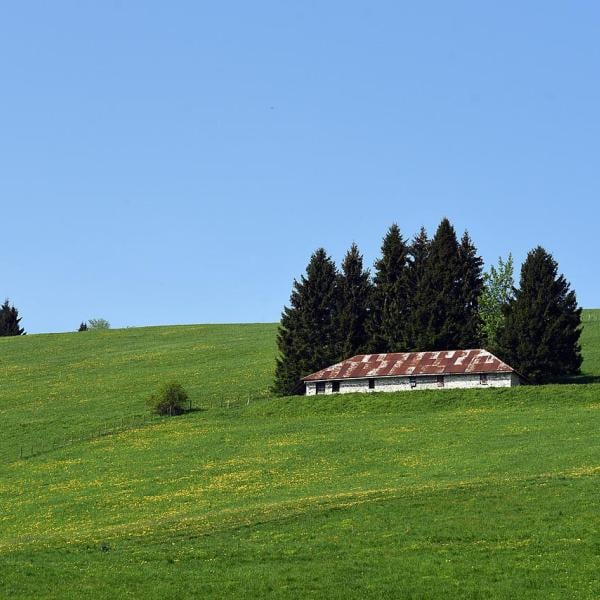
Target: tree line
[428,294]
[10,322]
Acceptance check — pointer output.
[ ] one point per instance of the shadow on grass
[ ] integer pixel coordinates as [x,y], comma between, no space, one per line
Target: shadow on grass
[578,379]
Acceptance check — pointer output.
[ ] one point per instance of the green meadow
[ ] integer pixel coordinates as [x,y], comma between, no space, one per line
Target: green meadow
[454,493]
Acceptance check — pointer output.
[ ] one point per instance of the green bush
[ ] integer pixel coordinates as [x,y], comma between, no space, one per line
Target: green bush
[170,399]
[96,324]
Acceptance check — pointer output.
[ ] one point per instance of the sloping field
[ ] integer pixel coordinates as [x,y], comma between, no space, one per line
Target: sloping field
[473,494]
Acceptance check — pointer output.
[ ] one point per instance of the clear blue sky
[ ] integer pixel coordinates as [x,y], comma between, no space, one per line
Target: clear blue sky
[178,162]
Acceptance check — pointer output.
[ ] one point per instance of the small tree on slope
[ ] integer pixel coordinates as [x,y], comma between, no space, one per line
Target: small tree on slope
[10,320]
[307,339]
[540,335]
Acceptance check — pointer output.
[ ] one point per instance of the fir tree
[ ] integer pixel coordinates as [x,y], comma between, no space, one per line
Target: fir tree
[10,320]
[471,284]
[388,317]
[540,336]
[307,338]
[354,292]
[437,315]
[83,326]
[497,291]
[419,252]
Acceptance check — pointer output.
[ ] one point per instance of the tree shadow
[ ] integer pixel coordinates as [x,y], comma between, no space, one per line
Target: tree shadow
[578,379]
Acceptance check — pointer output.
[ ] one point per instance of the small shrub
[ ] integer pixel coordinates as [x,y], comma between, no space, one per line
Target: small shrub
[170,399]
[98,324]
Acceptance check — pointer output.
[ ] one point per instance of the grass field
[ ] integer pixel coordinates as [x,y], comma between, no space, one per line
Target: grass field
[454,493]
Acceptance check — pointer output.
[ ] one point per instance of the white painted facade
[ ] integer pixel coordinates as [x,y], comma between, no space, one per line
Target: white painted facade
[420,382]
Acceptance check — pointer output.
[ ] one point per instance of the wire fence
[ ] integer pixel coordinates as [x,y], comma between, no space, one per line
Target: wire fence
[27,448]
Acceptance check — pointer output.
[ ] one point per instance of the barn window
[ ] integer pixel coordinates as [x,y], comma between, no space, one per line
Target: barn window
[371,384]
[335,386]
[413,382]
[320,387]
[483,379]
[440,381]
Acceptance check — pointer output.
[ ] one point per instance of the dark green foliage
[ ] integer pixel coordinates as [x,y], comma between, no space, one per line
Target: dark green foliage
[437,316]
[470,285]
[83,326]
[354,289]
[540,336]
[307,338]
[170,399]
[10,320]
[388,317]
[419,252]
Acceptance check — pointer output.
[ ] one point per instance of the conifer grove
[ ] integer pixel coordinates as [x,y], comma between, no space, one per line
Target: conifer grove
[428,294]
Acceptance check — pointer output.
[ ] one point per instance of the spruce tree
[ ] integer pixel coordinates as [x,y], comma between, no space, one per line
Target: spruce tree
[353,295]
[83,326]
[419,252]
[471,284]
[437,314]
[10,320]
[307,337]
[540,336]
[388,317]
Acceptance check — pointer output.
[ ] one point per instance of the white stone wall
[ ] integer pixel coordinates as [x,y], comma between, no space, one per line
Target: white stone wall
[424,382]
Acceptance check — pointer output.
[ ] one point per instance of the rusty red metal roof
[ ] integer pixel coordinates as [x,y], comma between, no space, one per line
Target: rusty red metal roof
[398,364]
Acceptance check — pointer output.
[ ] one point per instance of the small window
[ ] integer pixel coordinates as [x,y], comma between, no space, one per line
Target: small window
[371,384]
[440,381]
[320,387]
[335,386]
[483,379]
[413,382]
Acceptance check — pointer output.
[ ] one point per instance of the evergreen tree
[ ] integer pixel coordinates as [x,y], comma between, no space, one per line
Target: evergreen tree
[83,326]
[354,292]
[307,338]
[540,336]
[419,252]
[388,317]
[10,320]
[471,284]
[498,285]
[437,315]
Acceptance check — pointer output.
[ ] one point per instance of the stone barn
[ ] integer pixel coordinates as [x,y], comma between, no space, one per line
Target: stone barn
[394,372]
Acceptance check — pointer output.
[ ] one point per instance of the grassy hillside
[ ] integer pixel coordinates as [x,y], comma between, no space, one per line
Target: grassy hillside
[460,493]
[67,384]
[590,340]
